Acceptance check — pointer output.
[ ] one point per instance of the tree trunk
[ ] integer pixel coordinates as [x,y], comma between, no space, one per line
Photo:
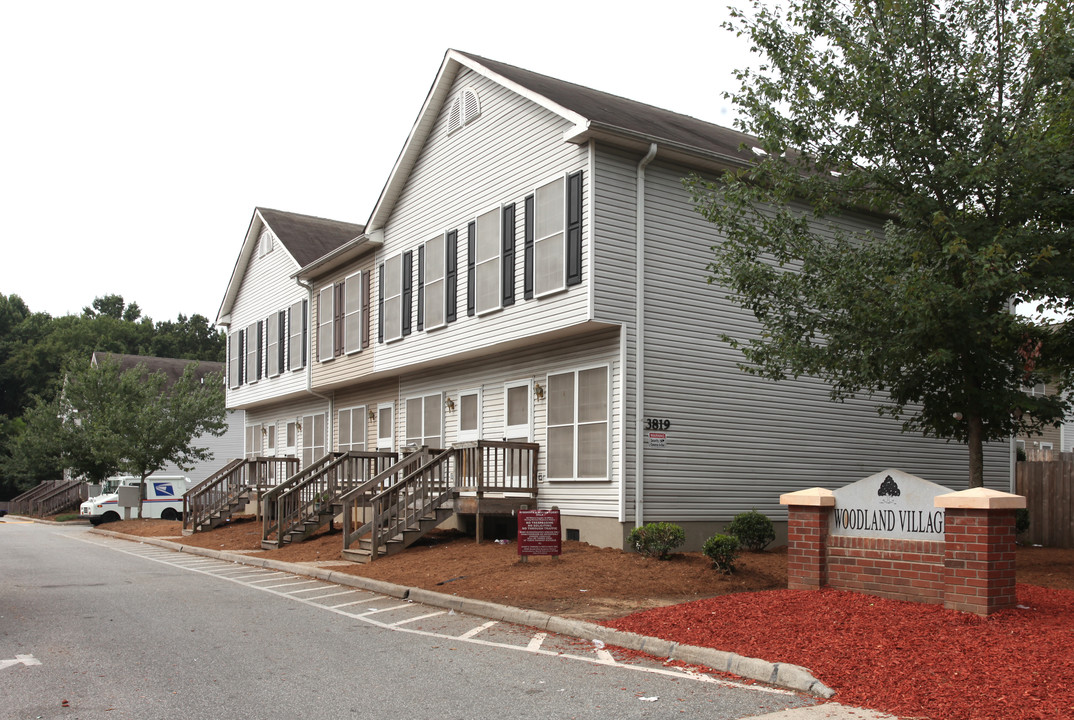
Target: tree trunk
[975,433]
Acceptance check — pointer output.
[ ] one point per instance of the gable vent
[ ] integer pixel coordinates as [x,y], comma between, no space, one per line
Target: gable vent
[465,108]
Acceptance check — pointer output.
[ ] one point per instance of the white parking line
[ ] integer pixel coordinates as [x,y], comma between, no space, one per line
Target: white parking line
[419,617]
[288,584]
[295,592]
[387,609]
[356,602]
[322,597]
[536,641]
[477,630]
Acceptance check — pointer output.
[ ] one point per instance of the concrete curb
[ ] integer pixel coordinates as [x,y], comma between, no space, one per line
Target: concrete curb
[785,675]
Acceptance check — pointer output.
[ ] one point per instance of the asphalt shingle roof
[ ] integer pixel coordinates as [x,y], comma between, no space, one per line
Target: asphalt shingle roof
[306,237]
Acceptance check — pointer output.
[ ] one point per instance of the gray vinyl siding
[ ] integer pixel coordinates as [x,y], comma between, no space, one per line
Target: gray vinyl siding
[736,441]
[224,448]
[593,498]
[369,396]
[500,158]
[266,289]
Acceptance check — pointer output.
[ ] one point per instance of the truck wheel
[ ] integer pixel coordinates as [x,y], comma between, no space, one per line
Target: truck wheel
[169,514]
[110,517]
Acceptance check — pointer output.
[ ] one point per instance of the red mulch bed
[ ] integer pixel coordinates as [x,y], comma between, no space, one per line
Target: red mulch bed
[909,659]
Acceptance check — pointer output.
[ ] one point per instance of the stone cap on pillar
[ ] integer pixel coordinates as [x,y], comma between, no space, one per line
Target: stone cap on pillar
[813,497]
[980,499]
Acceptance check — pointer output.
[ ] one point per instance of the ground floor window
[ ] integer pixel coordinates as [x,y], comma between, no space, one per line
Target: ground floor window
[578,414]
[313,438]
[469,415]
[386,426]
[424,421]
[352,429]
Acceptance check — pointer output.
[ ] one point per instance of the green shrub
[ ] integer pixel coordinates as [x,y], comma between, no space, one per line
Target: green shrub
[1021,520]
[722,550]
[657,539]
[753,530]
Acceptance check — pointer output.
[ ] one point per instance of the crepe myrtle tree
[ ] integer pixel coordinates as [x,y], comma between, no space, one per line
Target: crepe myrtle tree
[949,126]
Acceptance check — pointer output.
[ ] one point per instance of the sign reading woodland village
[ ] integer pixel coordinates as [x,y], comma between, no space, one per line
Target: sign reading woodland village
[891,504]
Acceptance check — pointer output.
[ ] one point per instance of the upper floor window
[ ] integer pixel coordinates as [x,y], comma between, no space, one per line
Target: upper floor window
[234,359]
[275,342]
[297,335]
[253,352]
[553,236]
[341,317]
[465,108]
[484,273]
[432,284]
[396,286]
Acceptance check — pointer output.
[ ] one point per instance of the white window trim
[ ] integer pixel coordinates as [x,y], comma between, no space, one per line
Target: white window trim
[252,437]
[265,243]
[250,341]
[357,312]
[271,438]
[511,431]
[393,334]
[289,450]
[329,292]
[294,312]
[443,284]
[308,432]
[470,435]
[496,258]
[576,424]
[563,233]
[387,443]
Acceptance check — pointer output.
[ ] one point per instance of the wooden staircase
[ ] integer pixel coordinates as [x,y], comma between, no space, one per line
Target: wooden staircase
[311,499]
[224,494]
[403,504]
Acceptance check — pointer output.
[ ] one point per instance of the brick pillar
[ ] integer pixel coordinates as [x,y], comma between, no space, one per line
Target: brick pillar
[979,555]
[807,537]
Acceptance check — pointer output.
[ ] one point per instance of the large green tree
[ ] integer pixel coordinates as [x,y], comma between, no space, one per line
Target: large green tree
[107,420]
[949,126]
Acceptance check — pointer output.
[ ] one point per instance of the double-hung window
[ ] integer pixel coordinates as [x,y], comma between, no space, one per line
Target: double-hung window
[326,304]
[424,421]
[469,415]
[234,359]
[578,424]
[276,333]
[296,341]
[553,236]
[485,256]
[253,352]
[432,292]
[391,288]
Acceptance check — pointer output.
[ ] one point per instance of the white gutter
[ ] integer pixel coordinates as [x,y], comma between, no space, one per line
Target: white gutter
[639,342]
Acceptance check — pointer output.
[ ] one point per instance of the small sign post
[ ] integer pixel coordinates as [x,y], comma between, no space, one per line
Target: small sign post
[539,533]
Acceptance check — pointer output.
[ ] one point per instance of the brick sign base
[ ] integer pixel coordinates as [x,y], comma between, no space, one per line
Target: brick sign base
[972,570]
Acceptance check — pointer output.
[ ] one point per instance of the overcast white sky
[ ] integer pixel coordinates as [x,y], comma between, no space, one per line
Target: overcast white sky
[139,136]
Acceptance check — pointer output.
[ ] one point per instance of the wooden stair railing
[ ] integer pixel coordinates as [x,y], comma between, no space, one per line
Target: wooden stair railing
[408,509]
[356,502]
[24,504]
[311,500]
[61,497]
[215,499]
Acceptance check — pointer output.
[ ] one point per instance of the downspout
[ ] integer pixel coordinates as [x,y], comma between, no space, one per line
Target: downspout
[639,341]
[309,372]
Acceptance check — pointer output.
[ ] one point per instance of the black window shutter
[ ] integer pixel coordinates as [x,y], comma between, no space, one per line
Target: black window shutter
[365,309]
[452,274]
[305,331]
[574,228]
[242,356]
[527,240]
[260,346]
[339,309]
[380,305]
[281,335]
[408,290]
[471,254]
[287,351]
[507,265]
[421,288]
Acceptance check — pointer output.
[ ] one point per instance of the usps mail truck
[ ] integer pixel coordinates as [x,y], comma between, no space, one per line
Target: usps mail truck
[163,499]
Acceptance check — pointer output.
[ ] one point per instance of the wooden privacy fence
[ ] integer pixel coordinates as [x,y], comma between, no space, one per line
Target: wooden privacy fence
[1048,487]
